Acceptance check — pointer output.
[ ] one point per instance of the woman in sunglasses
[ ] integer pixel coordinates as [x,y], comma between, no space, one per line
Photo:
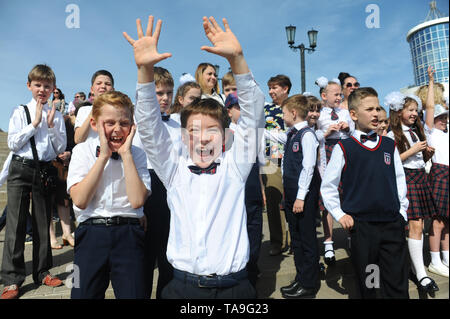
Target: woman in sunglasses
[349,84]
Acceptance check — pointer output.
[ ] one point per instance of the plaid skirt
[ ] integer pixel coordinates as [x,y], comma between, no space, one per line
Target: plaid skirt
[329,146]
[421,203]
[438,179]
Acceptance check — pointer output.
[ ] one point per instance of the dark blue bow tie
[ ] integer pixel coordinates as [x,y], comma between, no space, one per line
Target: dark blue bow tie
[292,132]
[165,117]
[114,155]
[211,169]
[372,137]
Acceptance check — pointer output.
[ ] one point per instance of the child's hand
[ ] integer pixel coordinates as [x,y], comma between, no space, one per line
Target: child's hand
[419,147]
[429,151]
[51,116]
[105,150]
[126,147]
[430,71]
[298,206]
[343,126]
[145,48]
[347,222]
[331,129]
[224,43]
[38,116]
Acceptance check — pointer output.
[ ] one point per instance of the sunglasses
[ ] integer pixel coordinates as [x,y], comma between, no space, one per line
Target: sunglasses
[349,85]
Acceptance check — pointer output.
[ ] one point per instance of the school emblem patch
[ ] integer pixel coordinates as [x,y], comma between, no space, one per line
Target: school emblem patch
[387,158]
[296,147]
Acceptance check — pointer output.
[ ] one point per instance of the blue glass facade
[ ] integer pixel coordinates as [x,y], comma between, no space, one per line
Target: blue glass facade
[429,46]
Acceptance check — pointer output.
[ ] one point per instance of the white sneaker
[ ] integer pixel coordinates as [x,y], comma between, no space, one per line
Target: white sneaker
[439,270]
[445,263]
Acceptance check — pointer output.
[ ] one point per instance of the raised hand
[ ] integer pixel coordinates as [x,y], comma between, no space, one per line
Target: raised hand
[105,150]
[38,116]
[51,116]
[430,72]
[145,48]
[224,44]
[126,147]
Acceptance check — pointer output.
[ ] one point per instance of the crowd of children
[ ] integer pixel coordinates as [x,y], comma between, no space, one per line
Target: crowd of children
[182,182]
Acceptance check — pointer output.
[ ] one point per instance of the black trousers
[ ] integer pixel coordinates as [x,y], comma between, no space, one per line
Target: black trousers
[254,230]
[21,182]
[302,227]
[380,258]
[178,289]
[104,253]
[156,237]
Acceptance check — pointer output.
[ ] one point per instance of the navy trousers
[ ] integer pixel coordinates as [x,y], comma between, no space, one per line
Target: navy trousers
[302,227]
[254,230]
[156,237]
[104,253]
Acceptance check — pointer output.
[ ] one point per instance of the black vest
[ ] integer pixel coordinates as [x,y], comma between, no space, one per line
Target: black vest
[369,181]
[292,164]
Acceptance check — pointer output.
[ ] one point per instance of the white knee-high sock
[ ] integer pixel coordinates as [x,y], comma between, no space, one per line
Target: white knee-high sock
[415,247]
[436,258]
[329,246]
[445,257]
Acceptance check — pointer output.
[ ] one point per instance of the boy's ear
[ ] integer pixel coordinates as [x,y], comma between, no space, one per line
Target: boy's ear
[93,123]
[29,85]
[353,115]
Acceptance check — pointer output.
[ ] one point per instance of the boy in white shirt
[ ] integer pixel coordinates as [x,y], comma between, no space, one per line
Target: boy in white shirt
[44,127]
[108,182]
[208,242]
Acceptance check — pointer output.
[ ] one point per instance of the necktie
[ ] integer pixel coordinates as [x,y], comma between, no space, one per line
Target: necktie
[334,115]
[114,155]
[165,117]
[211,169]
[413,136]
[291,133]
[371,137]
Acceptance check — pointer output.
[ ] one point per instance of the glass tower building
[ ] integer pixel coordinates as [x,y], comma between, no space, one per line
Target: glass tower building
[429,47]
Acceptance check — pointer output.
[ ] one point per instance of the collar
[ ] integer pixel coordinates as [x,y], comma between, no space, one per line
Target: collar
[300,125]
[405,128]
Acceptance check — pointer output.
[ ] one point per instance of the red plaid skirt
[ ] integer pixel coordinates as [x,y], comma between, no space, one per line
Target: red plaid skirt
[421,203]
[438,178]
[329,146]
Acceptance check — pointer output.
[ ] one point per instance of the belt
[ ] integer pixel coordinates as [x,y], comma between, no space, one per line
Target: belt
[111,221]
[211,281]
[29,162]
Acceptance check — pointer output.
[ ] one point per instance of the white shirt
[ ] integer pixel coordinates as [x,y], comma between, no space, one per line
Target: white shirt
[49,141]
[82,115]
[5,169]
[332,177]
[216,96]
[208,227]
[414,161]
[110,198]
[439,140]
[325,121]
[261,147]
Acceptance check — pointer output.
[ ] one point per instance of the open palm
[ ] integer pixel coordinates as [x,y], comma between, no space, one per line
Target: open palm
[225,42]
[145,48]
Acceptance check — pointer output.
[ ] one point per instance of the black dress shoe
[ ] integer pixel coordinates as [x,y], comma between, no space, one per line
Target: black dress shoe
[290,288]
[300,292]
[330,260]
[430,288]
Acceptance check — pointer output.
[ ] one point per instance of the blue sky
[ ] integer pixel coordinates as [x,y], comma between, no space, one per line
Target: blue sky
[33,32]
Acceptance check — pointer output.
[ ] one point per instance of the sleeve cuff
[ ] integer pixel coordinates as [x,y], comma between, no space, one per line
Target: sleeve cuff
[145,90]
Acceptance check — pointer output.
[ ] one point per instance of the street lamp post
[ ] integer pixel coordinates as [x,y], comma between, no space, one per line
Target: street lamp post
[312,36]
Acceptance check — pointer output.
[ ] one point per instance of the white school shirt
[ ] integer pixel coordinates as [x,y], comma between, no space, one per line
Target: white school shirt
[110,198]
[414,161]
[49,141]
[208,226]
[261,146]
[439,140]
[325,121]
[82,115]
[332,177]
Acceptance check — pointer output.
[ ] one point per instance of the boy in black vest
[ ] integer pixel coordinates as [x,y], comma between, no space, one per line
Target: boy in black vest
[301,182]
[374,200]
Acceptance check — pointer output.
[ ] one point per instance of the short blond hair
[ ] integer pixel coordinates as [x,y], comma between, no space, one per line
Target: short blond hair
[117,99]
[299,103]
[42,72]
[422,93]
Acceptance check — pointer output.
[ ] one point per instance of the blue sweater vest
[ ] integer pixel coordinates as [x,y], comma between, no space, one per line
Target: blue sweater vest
[369,185]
